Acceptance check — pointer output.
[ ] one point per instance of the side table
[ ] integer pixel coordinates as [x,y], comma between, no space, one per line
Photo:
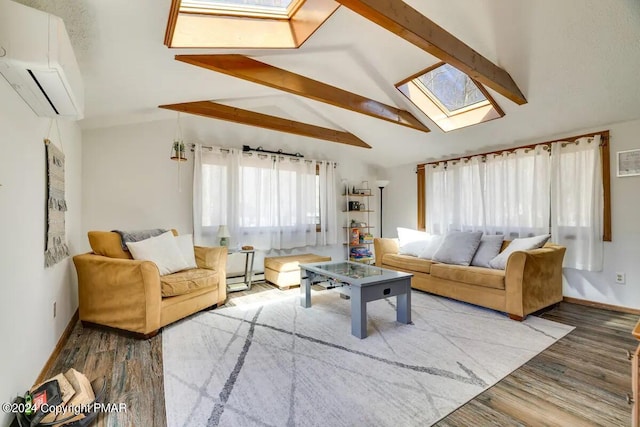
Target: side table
[248,270]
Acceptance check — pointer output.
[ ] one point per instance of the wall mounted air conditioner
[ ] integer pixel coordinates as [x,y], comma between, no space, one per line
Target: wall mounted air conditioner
[37,60]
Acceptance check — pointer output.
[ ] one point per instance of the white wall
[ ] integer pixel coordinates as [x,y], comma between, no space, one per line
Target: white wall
[130,182]
[620,255]
[27,327]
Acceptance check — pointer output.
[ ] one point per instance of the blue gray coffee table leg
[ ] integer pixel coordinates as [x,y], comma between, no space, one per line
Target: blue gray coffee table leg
[403,305]
[358,314]
[360,296]
[305,287]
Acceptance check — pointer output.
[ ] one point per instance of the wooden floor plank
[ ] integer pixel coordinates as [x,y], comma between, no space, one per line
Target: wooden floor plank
[582,379]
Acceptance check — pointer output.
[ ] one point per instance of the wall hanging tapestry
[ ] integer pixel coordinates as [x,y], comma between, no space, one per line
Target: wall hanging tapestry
[56,249]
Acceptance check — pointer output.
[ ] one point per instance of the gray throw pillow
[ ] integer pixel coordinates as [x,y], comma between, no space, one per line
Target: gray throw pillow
[458,247]
[489,248]
[522,244]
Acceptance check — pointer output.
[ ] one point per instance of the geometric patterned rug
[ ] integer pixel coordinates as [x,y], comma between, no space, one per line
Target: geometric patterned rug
[274,363]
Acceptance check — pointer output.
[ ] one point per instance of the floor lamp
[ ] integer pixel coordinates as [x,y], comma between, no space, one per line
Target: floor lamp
[381,184]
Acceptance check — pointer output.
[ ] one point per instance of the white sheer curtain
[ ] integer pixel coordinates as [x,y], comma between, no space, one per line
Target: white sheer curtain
[465,179]
[269,202]
[516,192]
[437,202]
[215,184]
[277,202]
[577,202]
[328,204]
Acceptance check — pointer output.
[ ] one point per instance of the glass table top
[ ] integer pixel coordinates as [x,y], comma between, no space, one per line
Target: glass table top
[351,269]
[354,273]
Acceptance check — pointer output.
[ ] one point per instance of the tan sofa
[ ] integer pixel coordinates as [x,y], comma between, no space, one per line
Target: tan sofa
[531,281]
[117,291]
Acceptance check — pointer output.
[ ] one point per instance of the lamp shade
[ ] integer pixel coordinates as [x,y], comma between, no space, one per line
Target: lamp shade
[381,183]
[223,231]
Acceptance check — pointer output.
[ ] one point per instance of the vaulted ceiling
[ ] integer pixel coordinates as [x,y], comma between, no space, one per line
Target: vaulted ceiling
[576,62]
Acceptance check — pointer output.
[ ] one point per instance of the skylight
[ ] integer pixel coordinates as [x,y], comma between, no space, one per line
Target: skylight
[245,24]
[449,97]
[282,9]
[451,88]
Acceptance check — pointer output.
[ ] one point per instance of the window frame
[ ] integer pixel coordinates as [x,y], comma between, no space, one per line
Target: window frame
[425,101]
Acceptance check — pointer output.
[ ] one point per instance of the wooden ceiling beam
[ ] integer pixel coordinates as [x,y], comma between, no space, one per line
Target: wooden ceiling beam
[238,115]
[258,72]
[404,21]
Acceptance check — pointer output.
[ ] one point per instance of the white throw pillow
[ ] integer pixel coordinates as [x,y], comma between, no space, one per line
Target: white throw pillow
[161,250]
[412,248]
[407,235]
[433,243]
[185,244]
[458,247]
[522,244]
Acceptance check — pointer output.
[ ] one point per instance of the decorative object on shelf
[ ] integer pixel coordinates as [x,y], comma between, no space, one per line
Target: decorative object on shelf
[354,237]
[362,207]
[381,184]
[354,205]
[366,238]
[223,235]
[178,152]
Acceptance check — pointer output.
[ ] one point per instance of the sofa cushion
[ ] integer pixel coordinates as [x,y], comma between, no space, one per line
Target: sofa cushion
[187,281]
[480,276]
[458,247]
[107,243]
[292,262]
[521,244]
[490,246]
[407,262]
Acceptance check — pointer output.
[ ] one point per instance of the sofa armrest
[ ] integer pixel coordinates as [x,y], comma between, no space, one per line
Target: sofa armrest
[383,245]
[121,293]
[533,279]
[214,258]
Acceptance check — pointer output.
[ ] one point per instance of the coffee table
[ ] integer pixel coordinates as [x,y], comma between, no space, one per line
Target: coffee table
[366,283]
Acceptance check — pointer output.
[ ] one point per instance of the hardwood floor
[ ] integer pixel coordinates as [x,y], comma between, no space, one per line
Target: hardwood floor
[582,379]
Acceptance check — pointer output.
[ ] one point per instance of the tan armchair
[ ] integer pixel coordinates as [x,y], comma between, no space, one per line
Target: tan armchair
[117,291]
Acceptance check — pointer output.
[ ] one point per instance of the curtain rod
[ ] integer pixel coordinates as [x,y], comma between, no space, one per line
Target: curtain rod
[247,149]
[259,149]
[603,134]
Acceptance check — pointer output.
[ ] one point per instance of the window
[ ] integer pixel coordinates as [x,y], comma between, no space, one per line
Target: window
[449,97]
[270,202]
[560,187]
[277,9]
[248,24]
[453,91]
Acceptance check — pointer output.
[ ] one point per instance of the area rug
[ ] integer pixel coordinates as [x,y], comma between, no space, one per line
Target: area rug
[278,364]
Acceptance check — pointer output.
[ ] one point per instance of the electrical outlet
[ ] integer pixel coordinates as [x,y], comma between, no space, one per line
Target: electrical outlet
[54,310]
[621,278]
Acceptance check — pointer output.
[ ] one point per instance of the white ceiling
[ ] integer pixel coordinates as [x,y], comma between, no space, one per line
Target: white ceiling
[577,62]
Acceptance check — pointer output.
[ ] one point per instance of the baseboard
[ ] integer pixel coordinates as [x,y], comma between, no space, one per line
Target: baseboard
[602,305]
[56,351]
